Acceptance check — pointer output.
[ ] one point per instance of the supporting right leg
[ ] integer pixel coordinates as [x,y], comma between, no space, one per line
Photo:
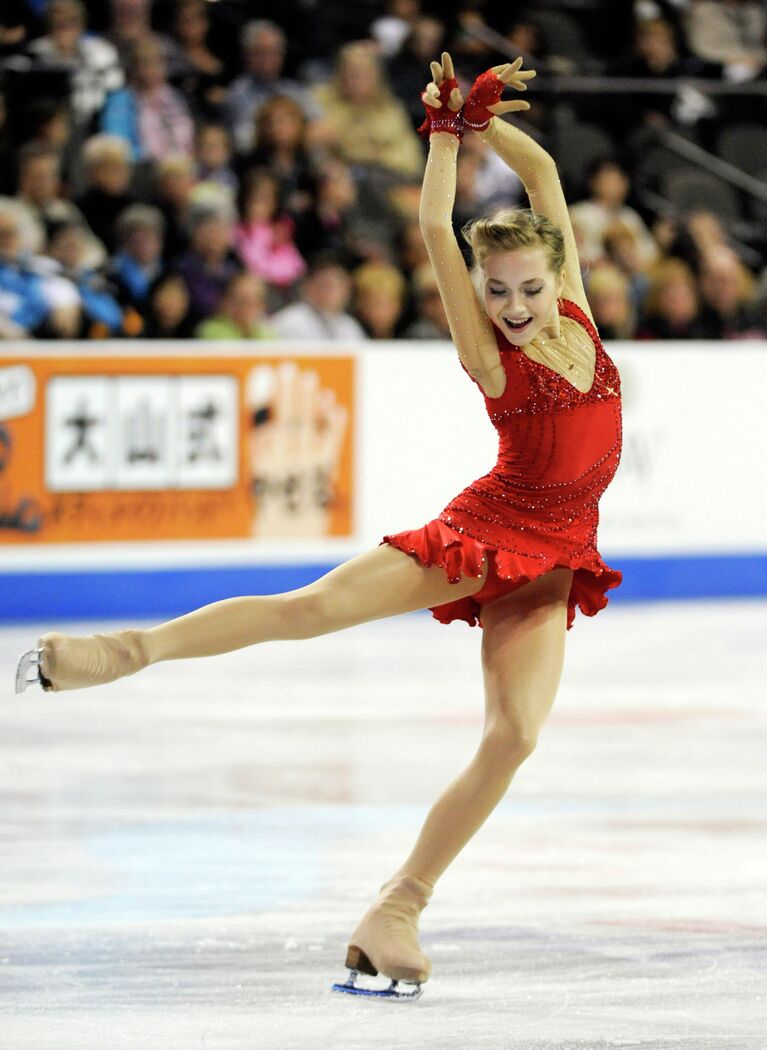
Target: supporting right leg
[522,653]
[379,583]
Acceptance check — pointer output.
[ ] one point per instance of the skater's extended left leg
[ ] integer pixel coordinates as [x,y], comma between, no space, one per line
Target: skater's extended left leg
[379,583]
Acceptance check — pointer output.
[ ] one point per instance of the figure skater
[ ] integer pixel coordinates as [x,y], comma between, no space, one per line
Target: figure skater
[516,551]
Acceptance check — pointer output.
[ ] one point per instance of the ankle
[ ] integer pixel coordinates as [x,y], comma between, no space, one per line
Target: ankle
[407,885]
[149,644]
[136,642]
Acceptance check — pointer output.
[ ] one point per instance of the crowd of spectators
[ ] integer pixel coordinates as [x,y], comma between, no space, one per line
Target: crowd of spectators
[178,169]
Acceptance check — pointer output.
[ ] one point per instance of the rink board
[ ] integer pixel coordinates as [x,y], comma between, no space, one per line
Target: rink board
[686,515]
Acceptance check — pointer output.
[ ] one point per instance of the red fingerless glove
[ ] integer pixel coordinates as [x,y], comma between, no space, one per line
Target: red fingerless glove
[486,91]
[444,119]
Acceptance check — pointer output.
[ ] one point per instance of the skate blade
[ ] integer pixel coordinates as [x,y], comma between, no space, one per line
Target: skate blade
[28,672]
[350,987]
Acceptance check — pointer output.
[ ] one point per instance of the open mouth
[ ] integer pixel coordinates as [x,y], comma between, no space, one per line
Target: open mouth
[517,326]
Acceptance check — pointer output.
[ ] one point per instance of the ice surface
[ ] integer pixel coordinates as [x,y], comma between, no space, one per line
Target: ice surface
[184,853]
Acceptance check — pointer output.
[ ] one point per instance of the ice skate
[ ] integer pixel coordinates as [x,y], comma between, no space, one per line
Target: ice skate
[386,941]
[63,662]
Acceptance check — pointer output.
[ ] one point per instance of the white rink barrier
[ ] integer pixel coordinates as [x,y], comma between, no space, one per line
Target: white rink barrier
[685,516]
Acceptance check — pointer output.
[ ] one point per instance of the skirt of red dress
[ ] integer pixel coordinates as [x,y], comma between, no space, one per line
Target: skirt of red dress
[460,555]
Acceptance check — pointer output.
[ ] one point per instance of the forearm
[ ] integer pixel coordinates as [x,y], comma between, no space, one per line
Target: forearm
[531,162]
[540,178]
[438,190]
[469,326]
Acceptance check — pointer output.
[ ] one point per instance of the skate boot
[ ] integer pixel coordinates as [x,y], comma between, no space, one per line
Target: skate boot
[64,662]
[386,939]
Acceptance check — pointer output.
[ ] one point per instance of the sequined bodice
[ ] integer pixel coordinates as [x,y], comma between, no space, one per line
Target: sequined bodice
[558,450]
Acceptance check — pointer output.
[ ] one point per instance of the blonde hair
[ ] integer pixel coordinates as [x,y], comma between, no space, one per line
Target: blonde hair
[379,278]
[99,148]
[362,51]
[606,277]
[668,271]
[514,228]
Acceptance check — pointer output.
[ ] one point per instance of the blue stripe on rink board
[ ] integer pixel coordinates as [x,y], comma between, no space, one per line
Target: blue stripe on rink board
[56,596]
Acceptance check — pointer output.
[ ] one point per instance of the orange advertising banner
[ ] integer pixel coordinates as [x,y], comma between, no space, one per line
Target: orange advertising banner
[147,448]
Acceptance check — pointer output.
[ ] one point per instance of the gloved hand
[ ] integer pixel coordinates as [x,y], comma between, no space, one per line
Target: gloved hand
[484,99]
[442,101]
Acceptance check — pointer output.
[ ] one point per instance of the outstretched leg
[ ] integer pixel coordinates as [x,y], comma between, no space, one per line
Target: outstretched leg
[379,583]
[522,654]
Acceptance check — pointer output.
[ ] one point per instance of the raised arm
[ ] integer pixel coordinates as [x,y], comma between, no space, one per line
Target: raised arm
[470,328]
[535,167]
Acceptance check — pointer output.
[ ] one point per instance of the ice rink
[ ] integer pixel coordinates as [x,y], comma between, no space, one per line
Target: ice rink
[185,853]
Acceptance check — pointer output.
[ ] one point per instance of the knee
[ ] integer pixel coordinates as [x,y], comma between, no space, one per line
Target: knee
[307,612]
[510,740]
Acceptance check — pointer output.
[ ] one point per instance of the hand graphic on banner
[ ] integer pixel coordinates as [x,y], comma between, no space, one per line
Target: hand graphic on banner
[297,433]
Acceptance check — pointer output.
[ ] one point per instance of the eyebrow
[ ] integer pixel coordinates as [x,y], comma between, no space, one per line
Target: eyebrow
[530,280]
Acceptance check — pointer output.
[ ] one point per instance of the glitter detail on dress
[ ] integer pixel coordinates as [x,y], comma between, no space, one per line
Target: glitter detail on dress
[538,508]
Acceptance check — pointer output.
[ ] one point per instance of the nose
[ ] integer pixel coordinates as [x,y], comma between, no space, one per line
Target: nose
[515,305]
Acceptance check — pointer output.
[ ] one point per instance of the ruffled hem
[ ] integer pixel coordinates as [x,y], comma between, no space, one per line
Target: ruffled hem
[461,556]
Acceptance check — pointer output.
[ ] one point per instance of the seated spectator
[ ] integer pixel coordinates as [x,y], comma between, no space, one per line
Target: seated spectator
[95,70]
[320,312]
[193,68]
[610,301]
[333,223]
[149,114]
[672,307]
[241,313]
[281,148]
[467,204]
[524,35]
[688,237]
[23,304]
[728,292]
[101,315]
[264,47]
[406,66]
[608,189]
[732,34]
[34,300]
[379,298]
[621,248]
[138,259]
[706,230]
[431,320]
[210,263]
[264,235]
[15,25]
[471,49]
[168,312]
[363,120]
[494,183]
[391,30]
[412,252]
[213,153]
[108,172]
[47,123]
[40,191]
[656,56]
[173,193]
[130,22]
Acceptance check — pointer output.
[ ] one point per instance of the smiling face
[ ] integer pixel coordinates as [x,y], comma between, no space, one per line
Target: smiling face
[521,292]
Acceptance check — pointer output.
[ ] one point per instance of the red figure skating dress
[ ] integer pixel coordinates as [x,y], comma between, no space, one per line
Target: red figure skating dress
[538,507]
